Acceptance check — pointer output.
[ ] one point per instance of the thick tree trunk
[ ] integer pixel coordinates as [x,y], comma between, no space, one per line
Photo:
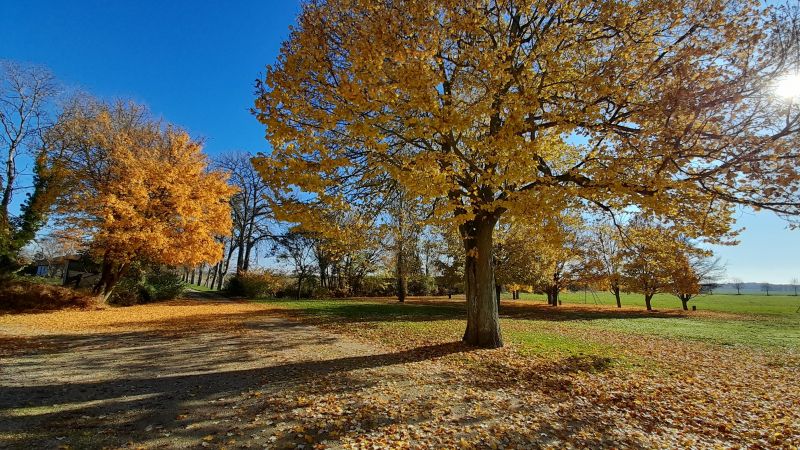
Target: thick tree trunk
[109,276]
[685,302]
[554,296]
[615,290]
[648,301]
[192,280]
[483,324]
[200,275]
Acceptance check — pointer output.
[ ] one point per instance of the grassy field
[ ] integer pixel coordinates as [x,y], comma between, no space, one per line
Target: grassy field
[740,304]
[572,328]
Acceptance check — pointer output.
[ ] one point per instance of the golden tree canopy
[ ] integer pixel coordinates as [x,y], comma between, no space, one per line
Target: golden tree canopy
[528,106]
[141,192]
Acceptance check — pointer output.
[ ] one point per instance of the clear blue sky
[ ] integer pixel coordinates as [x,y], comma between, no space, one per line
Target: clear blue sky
[194,63]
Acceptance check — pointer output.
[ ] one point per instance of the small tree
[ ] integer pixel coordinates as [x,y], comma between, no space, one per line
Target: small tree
[738,284]
[795,283]
[765,288]
[694,273]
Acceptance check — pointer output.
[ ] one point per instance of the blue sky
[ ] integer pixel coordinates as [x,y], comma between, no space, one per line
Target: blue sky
[194,63]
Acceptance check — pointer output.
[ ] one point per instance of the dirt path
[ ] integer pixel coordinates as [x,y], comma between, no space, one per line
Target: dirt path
[222,374]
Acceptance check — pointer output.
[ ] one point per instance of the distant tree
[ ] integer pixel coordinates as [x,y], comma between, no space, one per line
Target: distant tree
[696,272]
[766,287]
[658,260]
[738,284]
[795,283]
[606,254]
[296,248]
[250,207]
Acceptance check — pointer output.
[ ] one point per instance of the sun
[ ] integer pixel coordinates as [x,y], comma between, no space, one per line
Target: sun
[788,86]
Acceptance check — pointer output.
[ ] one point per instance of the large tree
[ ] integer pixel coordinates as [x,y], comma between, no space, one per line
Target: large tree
[140,191]
[522,108]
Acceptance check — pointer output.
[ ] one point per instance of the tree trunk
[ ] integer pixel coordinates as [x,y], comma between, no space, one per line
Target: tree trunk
[110,275]
[214,270]
[647,301]
[498,290]
[200,275]
[615,290]
[299,286]
[483,324]
[685,302]
[192,280]
[554,296]
[402,277]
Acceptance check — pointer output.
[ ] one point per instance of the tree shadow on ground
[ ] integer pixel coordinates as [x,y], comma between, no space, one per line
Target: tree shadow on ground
[140,387]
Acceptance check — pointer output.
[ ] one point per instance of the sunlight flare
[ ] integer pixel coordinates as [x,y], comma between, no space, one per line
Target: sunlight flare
[788,86]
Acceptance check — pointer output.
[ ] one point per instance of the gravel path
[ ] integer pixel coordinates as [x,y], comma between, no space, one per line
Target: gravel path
[199,380]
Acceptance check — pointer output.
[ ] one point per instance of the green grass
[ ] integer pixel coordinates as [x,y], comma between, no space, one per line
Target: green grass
[200,288]
[785,305]
[561,331]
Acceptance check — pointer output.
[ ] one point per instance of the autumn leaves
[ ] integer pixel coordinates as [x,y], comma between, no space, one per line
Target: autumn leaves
[520,111]
[137,191]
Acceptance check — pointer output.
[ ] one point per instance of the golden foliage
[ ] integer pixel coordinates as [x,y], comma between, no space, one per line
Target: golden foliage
[140,192]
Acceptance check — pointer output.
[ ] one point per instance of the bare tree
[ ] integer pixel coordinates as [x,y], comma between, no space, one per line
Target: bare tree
[738,284]
[252,215]
[795,283]
[766,287]
[25,95]
[296,249]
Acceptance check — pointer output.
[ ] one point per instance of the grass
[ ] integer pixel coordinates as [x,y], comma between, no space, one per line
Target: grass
[565,331]
[738,304]
[200,288]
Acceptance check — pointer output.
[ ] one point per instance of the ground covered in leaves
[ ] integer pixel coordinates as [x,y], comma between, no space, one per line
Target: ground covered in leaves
[375,374]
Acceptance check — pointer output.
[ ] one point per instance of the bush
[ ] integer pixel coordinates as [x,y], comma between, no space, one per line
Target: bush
[18,294]
[376,286]
[254,284]
[420,285]
[163,285]
[142,285]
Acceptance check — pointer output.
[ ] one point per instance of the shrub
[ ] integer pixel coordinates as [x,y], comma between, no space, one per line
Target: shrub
[376,286]
[142,285]
[254,284]
[163,285]
[421,285]
[20,295]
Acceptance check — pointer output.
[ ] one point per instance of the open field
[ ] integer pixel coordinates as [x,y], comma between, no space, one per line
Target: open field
[364,373]
[745,303]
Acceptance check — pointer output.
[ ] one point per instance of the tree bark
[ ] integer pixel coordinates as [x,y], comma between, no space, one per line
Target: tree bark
[615,290]
[483,323]
[299,286]
[402,276]
[685,302]
[109,277]
[554,296]
[498,290]
[647,301]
